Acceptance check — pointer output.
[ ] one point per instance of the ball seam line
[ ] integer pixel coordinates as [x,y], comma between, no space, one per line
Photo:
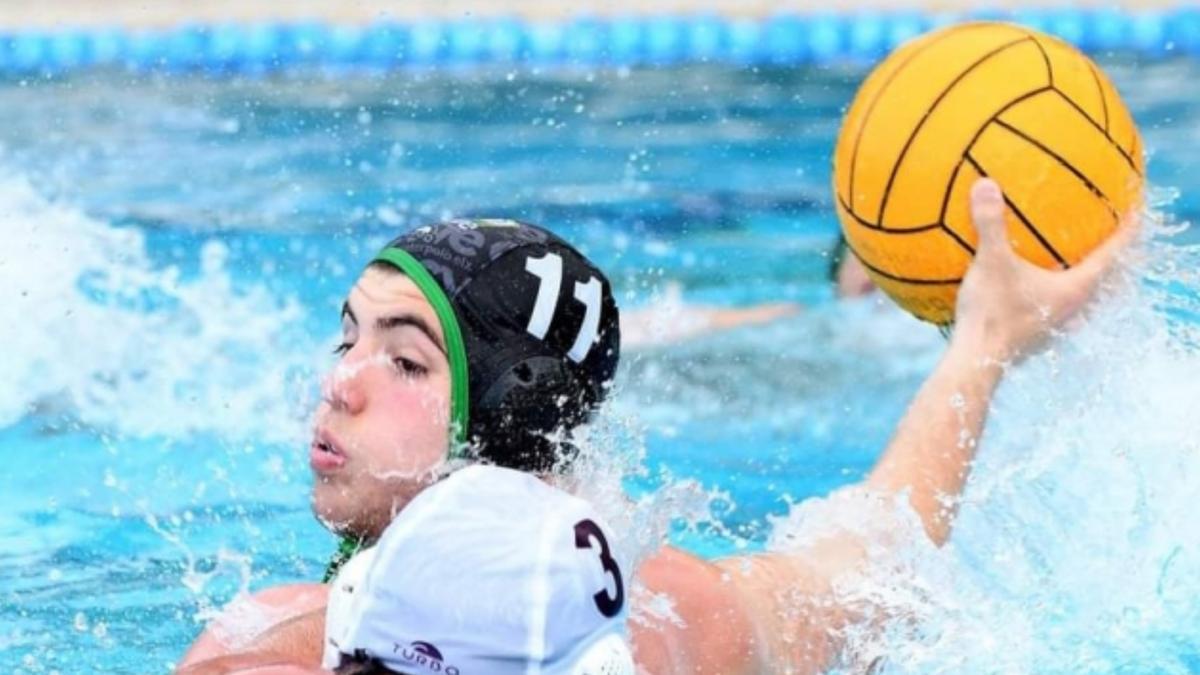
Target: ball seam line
[932,107]
[1103,97]
[1021,217]
[959,240]
[879,228]
[975,139]
[894,277]
[945,201]
[1128,159]
[879,94]
[1087,182]
[1045,57]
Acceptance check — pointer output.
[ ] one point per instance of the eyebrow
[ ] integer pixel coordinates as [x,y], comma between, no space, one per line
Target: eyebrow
[386,323]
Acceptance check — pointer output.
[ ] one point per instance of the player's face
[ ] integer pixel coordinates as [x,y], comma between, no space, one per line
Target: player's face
[852,279]
[382,429]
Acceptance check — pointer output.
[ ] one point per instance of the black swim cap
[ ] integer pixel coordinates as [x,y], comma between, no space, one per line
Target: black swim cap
[531,332]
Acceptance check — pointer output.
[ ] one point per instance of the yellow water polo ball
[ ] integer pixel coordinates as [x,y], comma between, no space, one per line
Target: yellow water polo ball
[973,100]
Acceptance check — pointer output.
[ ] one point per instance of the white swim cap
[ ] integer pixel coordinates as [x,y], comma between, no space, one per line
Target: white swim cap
[608,656]
[489,572]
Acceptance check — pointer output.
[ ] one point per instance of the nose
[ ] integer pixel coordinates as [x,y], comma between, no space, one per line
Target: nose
[342,389]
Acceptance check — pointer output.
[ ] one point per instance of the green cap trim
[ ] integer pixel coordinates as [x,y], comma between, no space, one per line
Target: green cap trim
[456,349]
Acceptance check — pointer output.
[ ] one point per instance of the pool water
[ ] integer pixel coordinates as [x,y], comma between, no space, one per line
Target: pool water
[177,250]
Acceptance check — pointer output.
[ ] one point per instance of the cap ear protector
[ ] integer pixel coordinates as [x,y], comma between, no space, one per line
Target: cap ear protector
[531,329]
[519,422]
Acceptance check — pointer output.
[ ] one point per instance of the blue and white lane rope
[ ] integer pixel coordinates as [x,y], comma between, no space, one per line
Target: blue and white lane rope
[783,39]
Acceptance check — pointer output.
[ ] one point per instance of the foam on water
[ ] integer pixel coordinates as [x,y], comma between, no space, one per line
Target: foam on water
[1075,548]
[141,383]
[96,331]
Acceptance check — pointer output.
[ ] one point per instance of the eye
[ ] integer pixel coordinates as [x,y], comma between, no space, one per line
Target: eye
[409,367]
[342,348]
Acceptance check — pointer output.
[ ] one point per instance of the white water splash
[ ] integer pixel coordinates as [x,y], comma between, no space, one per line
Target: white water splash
[1076,545]
[95,331]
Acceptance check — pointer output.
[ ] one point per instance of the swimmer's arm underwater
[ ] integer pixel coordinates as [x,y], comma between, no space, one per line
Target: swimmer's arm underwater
[291,647]
[296,638]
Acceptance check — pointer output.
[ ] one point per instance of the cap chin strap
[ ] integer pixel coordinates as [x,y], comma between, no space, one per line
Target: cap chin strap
[456,350]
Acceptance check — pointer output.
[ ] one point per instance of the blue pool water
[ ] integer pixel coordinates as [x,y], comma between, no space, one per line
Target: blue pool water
[176,252]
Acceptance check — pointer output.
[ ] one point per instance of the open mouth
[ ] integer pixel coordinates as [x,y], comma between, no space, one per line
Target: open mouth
[325,455]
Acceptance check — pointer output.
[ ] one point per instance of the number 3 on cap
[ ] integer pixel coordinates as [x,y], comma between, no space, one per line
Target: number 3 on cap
[548,269]
[609,606]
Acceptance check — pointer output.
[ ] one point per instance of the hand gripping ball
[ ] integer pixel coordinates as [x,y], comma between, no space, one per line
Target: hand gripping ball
[974,100]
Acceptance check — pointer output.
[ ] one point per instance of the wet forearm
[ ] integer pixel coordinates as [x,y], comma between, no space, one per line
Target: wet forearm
[931,453]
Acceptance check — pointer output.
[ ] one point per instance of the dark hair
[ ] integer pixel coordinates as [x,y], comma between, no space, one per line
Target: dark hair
[836,256]
[361,664]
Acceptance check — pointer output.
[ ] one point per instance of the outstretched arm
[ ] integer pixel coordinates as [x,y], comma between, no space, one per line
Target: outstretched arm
[1006,308]
[667,324]
[758,612]
[931,452]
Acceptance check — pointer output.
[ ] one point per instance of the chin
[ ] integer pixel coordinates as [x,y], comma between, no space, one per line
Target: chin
[366,509]
[333,508]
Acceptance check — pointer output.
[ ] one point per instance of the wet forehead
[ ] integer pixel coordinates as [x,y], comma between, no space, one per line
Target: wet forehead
[384,293]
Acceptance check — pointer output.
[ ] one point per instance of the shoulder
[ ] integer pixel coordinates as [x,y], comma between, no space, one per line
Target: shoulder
[689,616]
[248,617]
[747,614]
